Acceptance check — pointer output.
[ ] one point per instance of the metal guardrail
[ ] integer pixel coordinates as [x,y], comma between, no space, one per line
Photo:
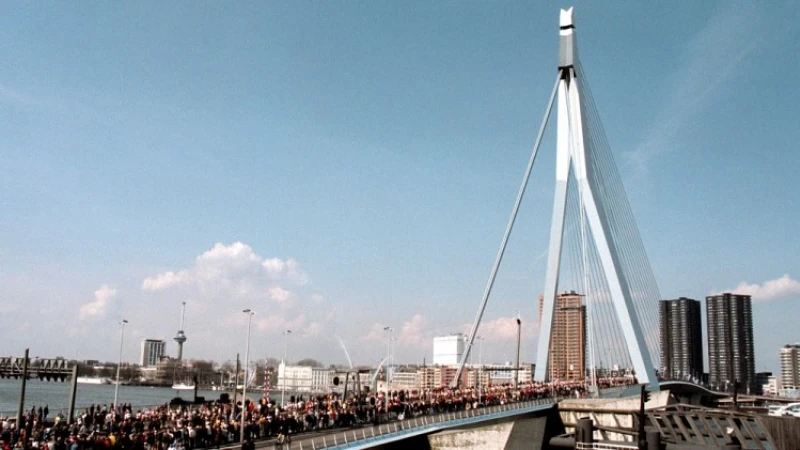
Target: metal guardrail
[367,437]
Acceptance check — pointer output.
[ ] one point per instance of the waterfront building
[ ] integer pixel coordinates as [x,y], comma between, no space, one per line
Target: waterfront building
[499,374]
[730,342]
[790,366]
[477,376]
[681,339]
[772,387]
[567,337]
[169,371]
[321,379]
[439,376]
[295,378]
[152,352]
[447,350]
[407,379]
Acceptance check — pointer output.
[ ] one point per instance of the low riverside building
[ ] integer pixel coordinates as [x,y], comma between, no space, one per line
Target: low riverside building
[295,378]
[773,386]
[447,350]
[406,379]
[433,377]
[504,374]
[321,379]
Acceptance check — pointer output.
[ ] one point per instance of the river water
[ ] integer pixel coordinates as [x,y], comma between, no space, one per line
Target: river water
[56,395]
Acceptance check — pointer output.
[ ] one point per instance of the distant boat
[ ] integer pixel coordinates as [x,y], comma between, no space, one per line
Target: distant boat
[93,380]
[183,387]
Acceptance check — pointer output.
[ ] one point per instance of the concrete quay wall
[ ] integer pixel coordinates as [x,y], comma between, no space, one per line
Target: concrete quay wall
[609,414]
[529,432]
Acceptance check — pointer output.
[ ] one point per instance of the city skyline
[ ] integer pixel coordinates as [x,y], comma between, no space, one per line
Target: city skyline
[343,168]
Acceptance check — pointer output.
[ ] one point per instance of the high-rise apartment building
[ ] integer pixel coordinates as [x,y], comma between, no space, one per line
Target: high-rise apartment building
[730,342]
[790,366]
[568,337]
[681,339]
[152,351]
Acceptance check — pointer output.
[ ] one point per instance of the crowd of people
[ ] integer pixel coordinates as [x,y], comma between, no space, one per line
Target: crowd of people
[212,424]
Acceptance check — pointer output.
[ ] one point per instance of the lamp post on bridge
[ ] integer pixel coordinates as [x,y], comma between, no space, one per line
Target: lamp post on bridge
[519,338]
[480,340]
[119,360]
[390,355]
[286,333]
[250,315]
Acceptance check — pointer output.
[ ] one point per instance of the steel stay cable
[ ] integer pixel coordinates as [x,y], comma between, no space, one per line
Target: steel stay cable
[624,226]
[598,281]
[610,186]
[589,144]
[632,256]
[579,169]
[619,228]
[509,228]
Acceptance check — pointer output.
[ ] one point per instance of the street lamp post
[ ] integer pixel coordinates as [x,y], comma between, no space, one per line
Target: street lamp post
[246,364]
[283,379]
[119,361]
[390,355]
[480,350]
[480,366]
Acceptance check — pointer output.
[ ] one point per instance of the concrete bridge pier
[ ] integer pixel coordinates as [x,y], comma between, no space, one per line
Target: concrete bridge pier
[530,432]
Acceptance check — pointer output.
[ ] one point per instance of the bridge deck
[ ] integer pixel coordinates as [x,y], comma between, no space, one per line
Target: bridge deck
[371,436]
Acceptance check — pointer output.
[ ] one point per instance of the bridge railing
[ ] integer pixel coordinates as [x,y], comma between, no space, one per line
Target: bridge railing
[412,426]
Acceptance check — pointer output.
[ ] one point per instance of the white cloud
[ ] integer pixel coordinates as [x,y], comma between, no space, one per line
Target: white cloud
[227,278]
[299,325]
[376,333]
[504,329]
[778,288]
[274,266]
[163,281]
[288,270]
[280,294]
[98,306]
[413,331]
[233,271]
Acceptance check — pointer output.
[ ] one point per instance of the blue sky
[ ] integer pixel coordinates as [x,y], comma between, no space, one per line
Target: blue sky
[339,167]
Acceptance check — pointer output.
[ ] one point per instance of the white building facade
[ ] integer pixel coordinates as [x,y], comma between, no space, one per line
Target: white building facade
[447,350]
[152,351]
[790,366]
[295,378]
[773,386]
[321,380]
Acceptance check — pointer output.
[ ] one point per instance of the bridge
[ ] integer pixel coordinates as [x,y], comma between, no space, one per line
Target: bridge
[541,423]
[595,246]
[414,432]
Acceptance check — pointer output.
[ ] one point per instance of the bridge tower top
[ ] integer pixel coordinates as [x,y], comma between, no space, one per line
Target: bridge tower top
[567,47]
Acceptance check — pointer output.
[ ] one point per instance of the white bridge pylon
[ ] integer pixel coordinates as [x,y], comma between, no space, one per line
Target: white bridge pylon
[571,154]
[582,151]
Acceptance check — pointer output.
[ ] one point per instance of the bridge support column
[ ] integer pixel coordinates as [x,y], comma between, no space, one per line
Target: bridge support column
[584,431]
[22,389]
[73,391]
